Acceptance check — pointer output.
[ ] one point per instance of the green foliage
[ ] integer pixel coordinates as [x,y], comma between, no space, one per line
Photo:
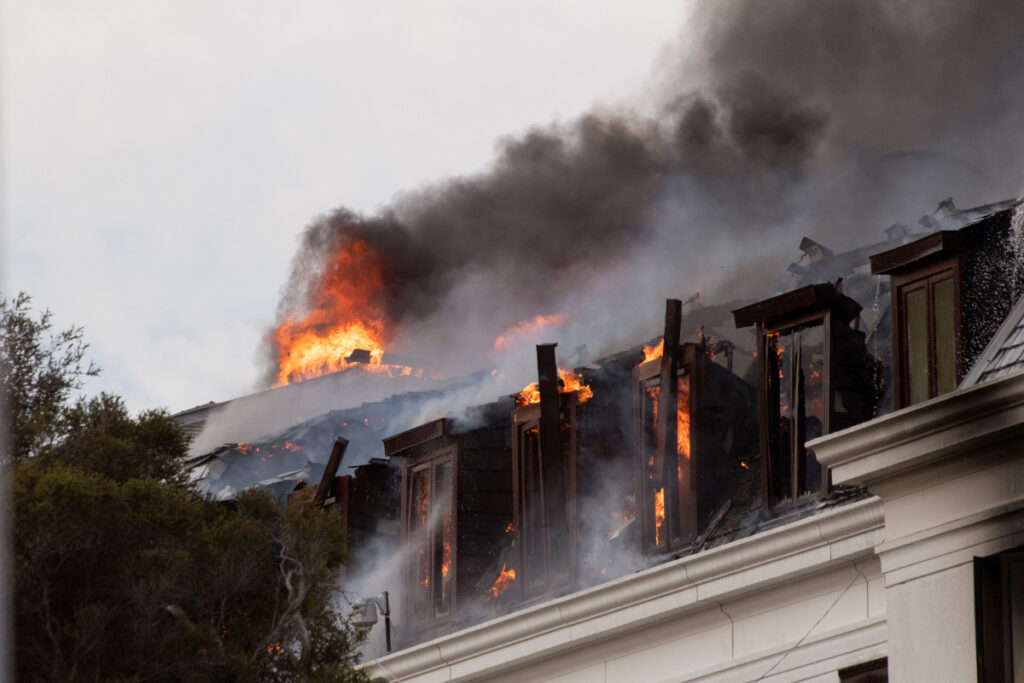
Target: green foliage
[38,372]
[123,572]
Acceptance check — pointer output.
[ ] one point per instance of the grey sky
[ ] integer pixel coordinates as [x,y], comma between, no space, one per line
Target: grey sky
[161,158]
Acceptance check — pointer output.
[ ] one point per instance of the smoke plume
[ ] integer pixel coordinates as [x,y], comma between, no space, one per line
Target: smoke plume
[828,118]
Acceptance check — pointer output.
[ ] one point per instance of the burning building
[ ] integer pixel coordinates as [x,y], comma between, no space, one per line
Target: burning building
[770,490]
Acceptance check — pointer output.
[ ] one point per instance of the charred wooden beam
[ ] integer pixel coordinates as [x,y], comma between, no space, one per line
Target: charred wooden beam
[331,471]
[666,438]
[551,447]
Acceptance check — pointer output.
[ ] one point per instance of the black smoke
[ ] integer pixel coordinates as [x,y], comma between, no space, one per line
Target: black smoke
[828,118]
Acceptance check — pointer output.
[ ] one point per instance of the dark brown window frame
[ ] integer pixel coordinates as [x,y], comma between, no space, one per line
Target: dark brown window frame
[924,277]
[769,394]
[525,418]
[431,461]
[643,374]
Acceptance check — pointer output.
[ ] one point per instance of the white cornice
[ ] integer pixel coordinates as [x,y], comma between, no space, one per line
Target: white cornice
[688,584]
[959,422]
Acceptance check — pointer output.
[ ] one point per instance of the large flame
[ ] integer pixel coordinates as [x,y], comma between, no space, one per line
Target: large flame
[346,314]
[570,382]
[504,581]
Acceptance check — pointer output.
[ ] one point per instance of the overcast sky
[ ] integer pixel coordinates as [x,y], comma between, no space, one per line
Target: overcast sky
[160,159]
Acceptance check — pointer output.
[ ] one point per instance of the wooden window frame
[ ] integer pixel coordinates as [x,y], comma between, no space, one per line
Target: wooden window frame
[525,418]
[925,278]
[797,489]
[687,512]
[431,461]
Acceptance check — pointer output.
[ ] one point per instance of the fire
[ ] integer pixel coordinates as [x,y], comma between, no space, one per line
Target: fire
[570,382]
[652,352]
[446,546]
[504,581]
[524,330]
[659,514]
[683,422]
[347,314]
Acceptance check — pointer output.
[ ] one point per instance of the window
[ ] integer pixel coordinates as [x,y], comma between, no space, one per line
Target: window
[546,553]
[876,671]
[926,313]
[668,515]
[814,376]
[794,373]
[430,534]
[999,612]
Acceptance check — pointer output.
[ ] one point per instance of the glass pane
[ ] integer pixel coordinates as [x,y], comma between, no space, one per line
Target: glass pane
[533,506]
[443,538]
[810,346]
[779,350]
[419,533]
[945,336]
[917,344]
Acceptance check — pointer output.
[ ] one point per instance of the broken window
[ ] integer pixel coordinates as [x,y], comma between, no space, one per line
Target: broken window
[430,533]
[815,376]
[545,540]
[794,363]
[668,516]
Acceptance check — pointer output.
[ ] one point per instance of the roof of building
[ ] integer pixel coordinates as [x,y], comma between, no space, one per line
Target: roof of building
[1005,352]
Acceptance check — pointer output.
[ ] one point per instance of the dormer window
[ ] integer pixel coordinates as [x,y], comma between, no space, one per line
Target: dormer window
[926,310]
[668,516]
[545,540]
[430,533]
[950,291]
[456,510]
[814,377]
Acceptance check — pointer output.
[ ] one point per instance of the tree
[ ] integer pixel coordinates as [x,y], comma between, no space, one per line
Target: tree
[38,372]
[124,572]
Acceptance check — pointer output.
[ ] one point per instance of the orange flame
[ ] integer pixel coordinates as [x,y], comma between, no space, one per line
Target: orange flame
[446,546]
[683,422]
[570,382]
[652,352]
[524,330]
[504,581]
[659,514]
[347,314]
